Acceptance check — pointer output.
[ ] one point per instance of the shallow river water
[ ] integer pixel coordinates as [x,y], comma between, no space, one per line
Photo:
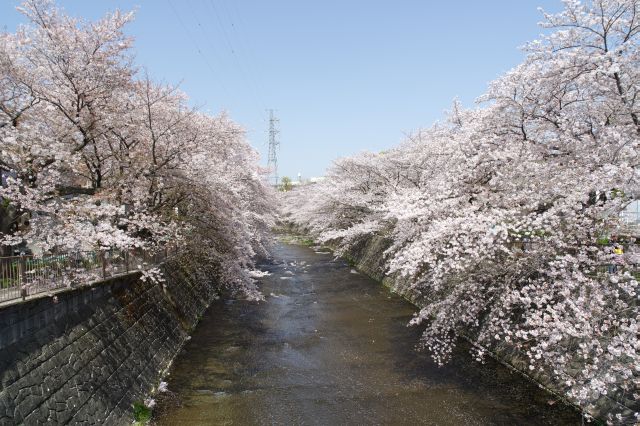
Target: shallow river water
[329,346]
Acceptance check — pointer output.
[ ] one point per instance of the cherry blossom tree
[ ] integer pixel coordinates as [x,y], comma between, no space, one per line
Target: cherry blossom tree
[101,157]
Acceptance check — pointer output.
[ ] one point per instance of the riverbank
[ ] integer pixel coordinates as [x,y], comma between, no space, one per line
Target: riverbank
[88,355]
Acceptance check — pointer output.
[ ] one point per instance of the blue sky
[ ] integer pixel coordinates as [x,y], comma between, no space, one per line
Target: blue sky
[344,76]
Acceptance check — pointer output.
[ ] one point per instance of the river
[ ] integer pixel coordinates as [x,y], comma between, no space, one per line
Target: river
[330,346]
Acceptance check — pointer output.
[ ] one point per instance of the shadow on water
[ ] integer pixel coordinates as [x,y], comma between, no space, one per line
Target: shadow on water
[329,346]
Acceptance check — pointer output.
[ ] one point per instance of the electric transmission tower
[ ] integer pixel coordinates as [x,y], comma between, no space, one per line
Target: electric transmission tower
[274,144]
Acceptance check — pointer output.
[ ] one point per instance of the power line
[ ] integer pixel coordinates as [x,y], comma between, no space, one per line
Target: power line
[274,144]
[247,49]
[251,84]
[197,46]
[241,69]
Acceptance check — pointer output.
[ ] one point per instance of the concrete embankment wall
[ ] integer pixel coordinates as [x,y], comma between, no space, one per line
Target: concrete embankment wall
[368,257]
[88,355]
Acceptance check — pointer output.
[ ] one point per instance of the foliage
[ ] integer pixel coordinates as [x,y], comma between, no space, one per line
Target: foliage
[496,215]
[141,413]
[102,157]
[286,184]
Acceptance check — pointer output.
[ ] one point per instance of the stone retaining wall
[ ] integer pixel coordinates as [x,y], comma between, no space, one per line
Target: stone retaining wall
[87,355]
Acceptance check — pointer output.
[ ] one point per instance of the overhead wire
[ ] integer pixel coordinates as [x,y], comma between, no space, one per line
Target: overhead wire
[241,69]
[246,47]
[250,83]
[197,46]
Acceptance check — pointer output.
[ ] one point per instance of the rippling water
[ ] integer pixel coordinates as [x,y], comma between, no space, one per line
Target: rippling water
[331,347]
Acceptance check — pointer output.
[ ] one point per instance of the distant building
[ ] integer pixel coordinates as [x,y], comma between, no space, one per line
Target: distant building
[631,214]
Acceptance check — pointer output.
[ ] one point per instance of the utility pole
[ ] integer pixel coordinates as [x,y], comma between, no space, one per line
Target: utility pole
[274,144]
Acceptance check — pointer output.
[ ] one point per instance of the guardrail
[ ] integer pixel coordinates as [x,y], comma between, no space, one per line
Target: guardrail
[22,276]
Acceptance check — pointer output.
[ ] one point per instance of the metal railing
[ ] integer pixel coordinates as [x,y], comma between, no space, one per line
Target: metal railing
[23,276]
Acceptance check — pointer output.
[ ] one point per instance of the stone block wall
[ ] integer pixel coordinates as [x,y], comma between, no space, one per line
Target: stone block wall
[86,356]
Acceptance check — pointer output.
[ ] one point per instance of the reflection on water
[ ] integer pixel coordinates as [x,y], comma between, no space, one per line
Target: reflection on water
[331,347]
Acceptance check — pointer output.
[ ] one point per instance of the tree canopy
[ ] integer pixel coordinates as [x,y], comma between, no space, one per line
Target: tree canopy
[103,157]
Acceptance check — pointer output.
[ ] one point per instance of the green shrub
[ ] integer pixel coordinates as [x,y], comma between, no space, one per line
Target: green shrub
[141,413]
